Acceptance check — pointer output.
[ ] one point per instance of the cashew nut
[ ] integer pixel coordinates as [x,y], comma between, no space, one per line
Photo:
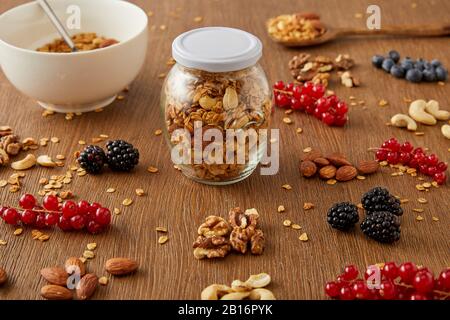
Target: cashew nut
[258,280]
[45,161]
[261,294]
[417,112]
[235,296]
[24,164]
[446,130]
[402,120]
[240,286]
[215,291]
[432,108]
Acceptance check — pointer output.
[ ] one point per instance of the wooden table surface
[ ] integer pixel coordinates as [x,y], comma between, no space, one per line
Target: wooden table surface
[299,269]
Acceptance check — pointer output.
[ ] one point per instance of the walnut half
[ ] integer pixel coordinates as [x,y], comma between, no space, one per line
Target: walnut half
[212,247]
[214,226]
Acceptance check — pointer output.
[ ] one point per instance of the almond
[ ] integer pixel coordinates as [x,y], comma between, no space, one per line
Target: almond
[327,172]
[87,286]
[368,166]
[308,168]
[321,162]
[55,275]
[54,292]
[311,156]
[346,173]
[121,266]
[74,264]
[3,277]
[338,159]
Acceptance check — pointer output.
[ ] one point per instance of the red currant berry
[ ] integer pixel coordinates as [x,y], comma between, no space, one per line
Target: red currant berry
[404,157]
[83,207]
[322,105]
[392,157]
[328,118]
[407,147]
[390,270]
[282,101]
[27,201]
[64,223]
[28,217]
[11,216]
[94,227]
[296,104]
[360,290]
[40,221]
[50,203]
[423,281]
[279,85]
[318,91]
[78,222]
[432,160]
[340,120]
[346,293]
[350,272]
[51,219]
[307,102]
[333,100]
[418,150]
[310,109]
[441,166]
[341,107]
[393,145]
[413,164]
[432,171]
[69,209]
[423,168]
[290,86]
[332,289]
[440,177]
[388,290]
[407,271]
[381,155]
[418,296]
[103,216]
[308,88]
[444,278]
[297,92]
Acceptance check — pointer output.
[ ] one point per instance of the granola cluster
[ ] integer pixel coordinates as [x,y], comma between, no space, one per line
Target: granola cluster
[295,27]
[82,41]
[217,237]
[239,100]
[305,67]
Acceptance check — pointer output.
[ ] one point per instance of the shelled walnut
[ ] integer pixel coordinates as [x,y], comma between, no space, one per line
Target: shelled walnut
[245,232]
[11,144]
[211,247]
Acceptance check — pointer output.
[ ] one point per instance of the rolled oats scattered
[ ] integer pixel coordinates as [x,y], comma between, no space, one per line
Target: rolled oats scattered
[299,130]
[3,242]
[418,210]
[81,142]
[286,186]
[127,202]
[288,111]
[91,246]
[419,218]
[308,205]
[110,190]
[120,97]
[383,103]
[161,229]
[3,183]
[198,19]
[304,237]
[54,139]
[158,132]
[331,181]
[140,192]
[435,218]
[162,75]
[152,169]
[88,254]
[103,281]
[116,211]
[307,150]
[422,200]
[18,231]
[281,208]
[287,120]
[296,226]
[419,133]
[163,239]
[287,223]
[359,177]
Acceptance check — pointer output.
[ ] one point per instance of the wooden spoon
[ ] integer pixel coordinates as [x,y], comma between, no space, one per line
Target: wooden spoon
[335,33]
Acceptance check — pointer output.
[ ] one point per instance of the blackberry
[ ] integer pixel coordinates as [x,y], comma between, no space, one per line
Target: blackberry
[121,155]
[343,216]
[379,199]
[382,226]
[92,159]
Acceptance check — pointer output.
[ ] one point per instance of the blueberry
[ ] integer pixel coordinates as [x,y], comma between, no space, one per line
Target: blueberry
[429,75]
[428,65]
[397,71]
[414,75]
[420,65]
[407,64]
[387,64]
[377,60]
[436,63]
[441,73]
[394,55]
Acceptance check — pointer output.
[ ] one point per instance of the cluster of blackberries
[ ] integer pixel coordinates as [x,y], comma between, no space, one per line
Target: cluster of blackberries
[120,156]
[382,221]
[412,70]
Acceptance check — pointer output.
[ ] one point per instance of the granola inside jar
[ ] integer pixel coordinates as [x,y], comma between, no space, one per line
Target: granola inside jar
[216,103]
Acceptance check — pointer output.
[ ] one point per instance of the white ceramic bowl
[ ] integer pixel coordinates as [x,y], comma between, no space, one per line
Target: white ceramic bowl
[79,81]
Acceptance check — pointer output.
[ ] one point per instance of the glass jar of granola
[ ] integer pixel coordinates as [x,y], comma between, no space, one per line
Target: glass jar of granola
[216,103]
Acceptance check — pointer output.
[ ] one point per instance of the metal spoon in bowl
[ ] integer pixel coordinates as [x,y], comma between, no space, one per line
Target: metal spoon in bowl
[57,23]
[335,33]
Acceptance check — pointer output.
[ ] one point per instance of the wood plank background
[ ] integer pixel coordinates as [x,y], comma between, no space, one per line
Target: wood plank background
[299,269]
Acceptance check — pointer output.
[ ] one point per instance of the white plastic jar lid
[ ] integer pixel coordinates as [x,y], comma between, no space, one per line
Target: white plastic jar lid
[217,49]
